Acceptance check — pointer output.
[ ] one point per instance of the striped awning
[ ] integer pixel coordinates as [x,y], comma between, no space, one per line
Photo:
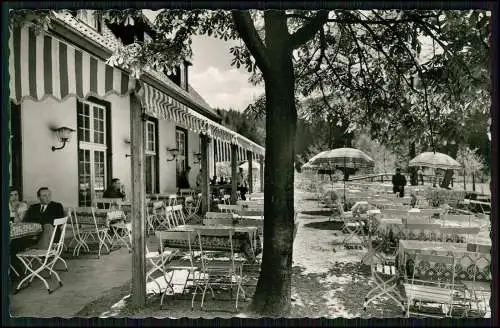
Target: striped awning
[41,65]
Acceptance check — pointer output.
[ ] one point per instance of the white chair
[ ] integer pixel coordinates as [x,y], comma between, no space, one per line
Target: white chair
[89,228]
[77,236]
[221,273]
[172,200]
[192,206]
[117,225]
[45,258]
[178,214]
[194,275]
[439,292]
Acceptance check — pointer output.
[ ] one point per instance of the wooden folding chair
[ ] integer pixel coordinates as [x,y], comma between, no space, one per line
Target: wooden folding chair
[45,258]
[439,291]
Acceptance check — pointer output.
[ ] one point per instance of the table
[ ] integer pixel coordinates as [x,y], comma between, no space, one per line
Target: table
[25,229]
[464,267]
[243,240]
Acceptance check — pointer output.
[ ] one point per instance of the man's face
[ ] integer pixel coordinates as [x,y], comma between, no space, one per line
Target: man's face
[44,197]
[14,196]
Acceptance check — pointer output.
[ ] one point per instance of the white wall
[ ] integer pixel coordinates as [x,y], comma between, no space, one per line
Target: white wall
[120,127]
[56,170]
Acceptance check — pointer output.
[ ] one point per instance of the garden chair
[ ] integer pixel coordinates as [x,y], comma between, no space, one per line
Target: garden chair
[89,228]
[386,276]
[220,273]
[172,200]
[178,214]
[439,292]
[192,206]
[45,258]
[77,236]
[194,275]
[117,225]
[421,231]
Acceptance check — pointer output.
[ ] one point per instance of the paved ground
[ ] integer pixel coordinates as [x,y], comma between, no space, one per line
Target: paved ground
[88,279]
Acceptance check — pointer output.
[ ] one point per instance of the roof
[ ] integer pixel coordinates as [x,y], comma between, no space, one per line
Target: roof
[112,43]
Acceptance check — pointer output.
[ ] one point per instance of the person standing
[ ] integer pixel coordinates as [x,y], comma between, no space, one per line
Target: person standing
[115,190]
[398,183]
[420,174]
[242,184]
[17,208]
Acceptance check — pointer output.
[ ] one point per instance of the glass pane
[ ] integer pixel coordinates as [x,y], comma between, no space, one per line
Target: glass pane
[149,175]
[99,170]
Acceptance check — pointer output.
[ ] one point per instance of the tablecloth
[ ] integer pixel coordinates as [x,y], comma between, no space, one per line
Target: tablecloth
[25,229]
[467,263]
[242,241]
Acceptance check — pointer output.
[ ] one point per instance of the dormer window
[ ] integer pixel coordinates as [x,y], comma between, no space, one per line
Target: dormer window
[90,17]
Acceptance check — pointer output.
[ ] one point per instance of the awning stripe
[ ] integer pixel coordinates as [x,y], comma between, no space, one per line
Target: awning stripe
[32,64]
[78,74]
[93,75]
[47,55]
[40,81]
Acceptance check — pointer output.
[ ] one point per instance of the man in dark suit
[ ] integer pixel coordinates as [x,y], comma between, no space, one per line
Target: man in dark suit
[44,213]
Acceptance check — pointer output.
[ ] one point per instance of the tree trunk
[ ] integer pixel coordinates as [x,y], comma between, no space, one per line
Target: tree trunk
[273,292]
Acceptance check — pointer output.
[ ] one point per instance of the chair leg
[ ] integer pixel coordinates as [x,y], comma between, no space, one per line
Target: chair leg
[33,273]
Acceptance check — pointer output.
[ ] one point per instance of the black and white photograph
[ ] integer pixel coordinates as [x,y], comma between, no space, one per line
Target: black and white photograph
[186,162]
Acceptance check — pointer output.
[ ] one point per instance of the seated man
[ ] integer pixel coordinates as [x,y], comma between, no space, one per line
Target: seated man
[44,213]
[115,190]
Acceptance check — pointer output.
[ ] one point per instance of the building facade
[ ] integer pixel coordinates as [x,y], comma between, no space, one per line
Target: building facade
[60,78]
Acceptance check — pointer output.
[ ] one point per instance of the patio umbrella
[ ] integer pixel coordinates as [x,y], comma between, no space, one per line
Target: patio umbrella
[342,157]
[435,160]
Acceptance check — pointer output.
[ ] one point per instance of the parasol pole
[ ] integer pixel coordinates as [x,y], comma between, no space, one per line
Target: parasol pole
[344,180]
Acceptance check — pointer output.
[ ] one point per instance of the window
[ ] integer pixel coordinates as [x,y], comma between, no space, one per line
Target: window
[92,150]
[181,145]
[151,158]
[90,17]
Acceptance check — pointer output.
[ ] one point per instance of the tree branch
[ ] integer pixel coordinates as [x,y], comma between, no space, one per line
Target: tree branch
[306,32]
[246,30]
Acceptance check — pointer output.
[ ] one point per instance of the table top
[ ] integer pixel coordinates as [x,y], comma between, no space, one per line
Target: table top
[24,229]
[193,227]
[249,217]
[431,245]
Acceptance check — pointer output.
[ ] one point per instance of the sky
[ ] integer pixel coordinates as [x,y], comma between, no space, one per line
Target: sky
[213,77]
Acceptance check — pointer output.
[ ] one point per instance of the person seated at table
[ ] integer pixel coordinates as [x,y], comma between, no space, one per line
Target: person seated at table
[184,179]
[398,183]
[214,180]
[17,208]
[115,190]
[242,184]
[198,180]
[44,213]
[222,180]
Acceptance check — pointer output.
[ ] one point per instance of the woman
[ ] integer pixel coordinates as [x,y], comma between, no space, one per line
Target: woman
[17,208]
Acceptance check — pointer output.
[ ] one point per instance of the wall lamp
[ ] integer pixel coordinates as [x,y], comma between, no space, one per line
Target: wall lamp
[174,152]
[63,135]
[197,158]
